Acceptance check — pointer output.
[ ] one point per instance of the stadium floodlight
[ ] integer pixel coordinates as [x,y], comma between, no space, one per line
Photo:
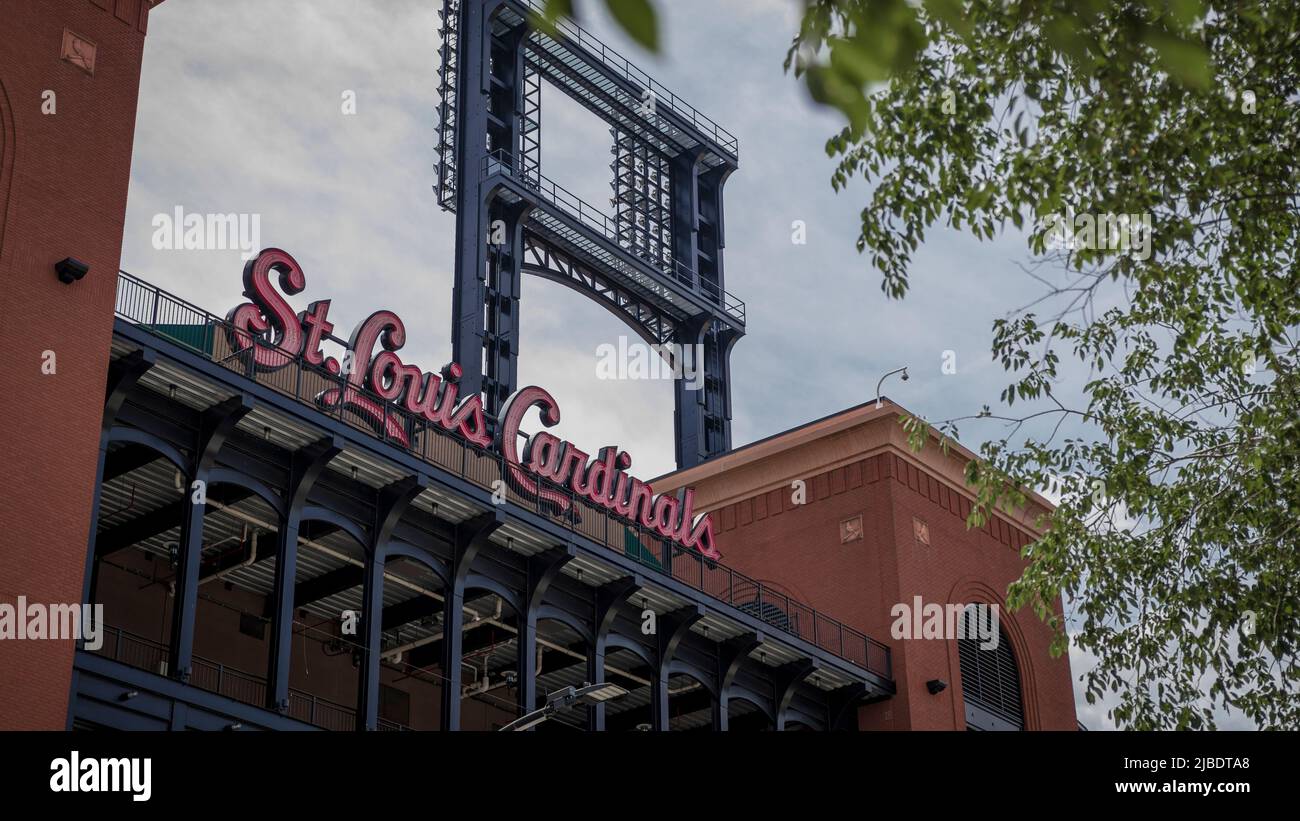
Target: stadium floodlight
[566,699]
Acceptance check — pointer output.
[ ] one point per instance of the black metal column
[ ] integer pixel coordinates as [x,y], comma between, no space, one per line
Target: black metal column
[672,628]
[471,535]
[392,502]
[501,305]
[607,601]
[122,377]
[216,425]
[542,570]
[731,655]
[490,94]
[307,466]
[703,413]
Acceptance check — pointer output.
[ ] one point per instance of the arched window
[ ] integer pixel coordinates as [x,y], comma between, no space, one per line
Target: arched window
[990,680]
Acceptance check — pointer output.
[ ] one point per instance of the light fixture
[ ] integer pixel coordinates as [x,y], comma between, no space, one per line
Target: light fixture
[936,686]
[902,370]
[70,270]
[566,699]
[599,693]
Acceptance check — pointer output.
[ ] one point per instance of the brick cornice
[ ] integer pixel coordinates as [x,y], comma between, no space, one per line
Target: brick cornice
[827,445]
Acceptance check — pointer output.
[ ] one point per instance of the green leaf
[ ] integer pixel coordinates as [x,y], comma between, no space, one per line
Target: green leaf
[551,13]
[638,19]
[1187,61]
[951,13]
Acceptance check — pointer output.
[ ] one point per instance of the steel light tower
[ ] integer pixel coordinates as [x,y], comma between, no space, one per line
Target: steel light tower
[653,258]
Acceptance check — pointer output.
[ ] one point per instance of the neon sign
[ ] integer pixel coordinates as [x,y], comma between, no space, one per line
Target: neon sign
[286,336]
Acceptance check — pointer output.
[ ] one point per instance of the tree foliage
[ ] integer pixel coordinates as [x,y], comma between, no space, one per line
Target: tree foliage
[1175,543]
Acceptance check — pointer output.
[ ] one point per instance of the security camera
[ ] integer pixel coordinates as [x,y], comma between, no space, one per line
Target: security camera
[905,375]
[70,270]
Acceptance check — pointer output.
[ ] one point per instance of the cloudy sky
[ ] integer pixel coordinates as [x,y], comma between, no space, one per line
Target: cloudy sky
[241,111]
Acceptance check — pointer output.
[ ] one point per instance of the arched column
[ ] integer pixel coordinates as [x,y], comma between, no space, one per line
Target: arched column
[672,628]
[608,598]
[123,375]
[391,503]
[542,570]
[471,536]
[215,426]
[731,654]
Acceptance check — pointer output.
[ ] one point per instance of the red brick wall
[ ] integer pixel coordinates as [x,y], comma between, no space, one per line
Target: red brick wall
[798,548]
[63,187]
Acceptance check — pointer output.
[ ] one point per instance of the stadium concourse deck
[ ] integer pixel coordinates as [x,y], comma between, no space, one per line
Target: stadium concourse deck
[327,576]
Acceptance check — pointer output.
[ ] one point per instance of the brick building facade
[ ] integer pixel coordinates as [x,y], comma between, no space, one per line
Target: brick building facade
[69,80]
[879,525]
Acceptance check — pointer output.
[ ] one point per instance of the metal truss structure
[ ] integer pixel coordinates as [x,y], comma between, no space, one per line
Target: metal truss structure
[656,262]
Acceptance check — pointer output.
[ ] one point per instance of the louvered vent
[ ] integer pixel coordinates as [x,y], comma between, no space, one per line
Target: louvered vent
[990,683]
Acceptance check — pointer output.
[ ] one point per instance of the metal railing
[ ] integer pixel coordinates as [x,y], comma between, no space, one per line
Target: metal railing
[238,685]
[631,73]
[211,336]
[501,161]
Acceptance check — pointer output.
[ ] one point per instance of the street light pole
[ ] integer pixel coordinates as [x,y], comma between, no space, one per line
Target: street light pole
[902,370]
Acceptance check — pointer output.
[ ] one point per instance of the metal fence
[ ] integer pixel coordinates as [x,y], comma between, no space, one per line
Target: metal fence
[212,337]
[246,688]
